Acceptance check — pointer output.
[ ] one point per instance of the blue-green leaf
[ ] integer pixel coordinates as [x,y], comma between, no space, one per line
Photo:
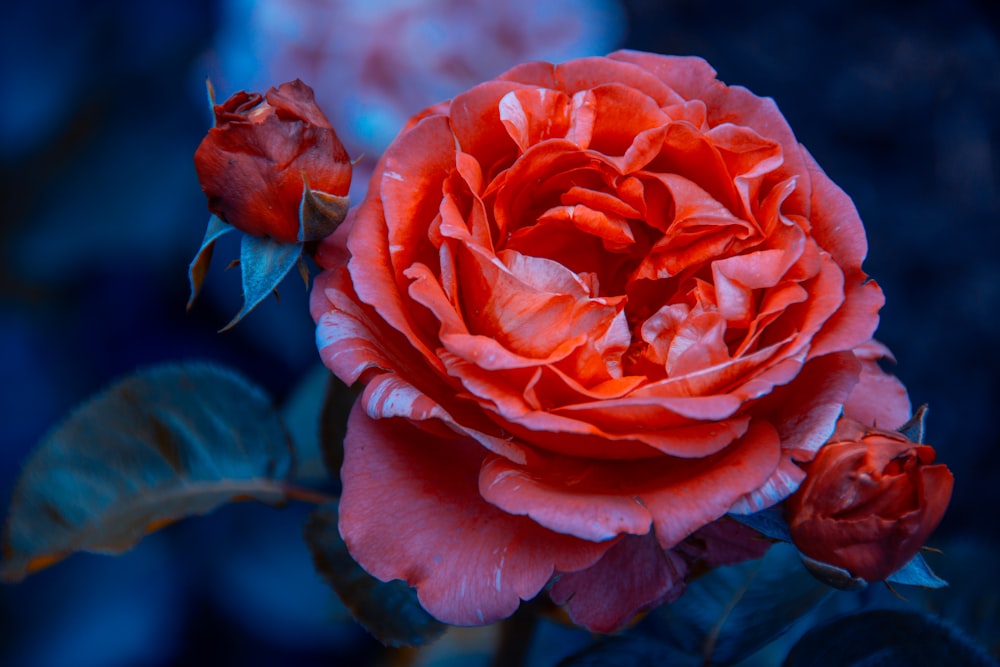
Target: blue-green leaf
[917,573]
[388,610]
[264,263]
[888,638]
[769,522]
[301,413]
[160,445]
[199,265]
[733,611]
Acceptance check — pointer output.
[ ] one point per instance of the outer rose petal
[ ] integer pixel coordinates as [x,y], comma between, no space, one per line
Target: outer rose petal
[410,510]
[835,221]
[724,542]
[597,500]
[635,575]
[379,239]
[878,399]
[807,409]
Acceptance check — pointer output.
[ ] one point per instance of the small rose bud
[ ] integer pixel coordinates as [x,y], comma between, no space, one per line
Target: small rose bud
[870,500]
[253,165]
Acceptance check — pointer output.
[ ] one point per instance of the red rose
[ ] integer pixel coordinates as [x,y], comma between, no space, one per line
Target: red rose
[596,306]
[251,165]
[870,500]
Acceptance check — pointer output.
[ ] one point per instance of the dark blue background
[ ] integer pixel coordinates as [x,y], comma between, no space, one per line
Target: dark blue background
[101,110]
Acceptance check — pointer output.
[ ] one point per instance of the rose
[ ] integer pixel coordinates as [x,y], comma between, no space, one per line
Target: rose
[870,500]
[253,164]
[596,306]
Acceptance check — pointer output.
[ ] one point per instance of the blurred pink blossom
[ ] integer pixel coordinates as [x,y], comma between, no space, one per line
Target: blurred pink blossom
[375,63]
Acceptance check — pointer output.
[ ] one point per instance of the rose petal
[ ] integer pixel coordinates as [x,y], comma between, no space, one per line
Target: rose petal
[687,75]
[388,396]
[597,500]
[346,333]
[414,172]
[410,510]
[782,483]
[530,321]
[474,117]
[620,113]
[854,322]
[559,502]
[533,115]
[686,500]
[805,411]
[879,398]
[835,221]
[723,542]
[633,576]
[586,73]
[373,268]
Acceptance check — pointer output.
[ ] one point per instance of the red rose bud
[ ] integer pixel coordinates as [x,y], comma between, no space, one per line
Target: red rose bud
[870,500]
[253,165]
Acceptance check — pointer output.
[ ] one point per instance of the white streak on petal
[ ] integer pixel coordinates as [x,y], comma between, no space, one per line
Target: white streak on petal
[782,483]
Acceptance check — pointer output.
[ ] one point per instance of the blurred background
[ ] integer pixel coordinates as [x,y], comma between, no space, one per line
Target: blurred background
[104,104]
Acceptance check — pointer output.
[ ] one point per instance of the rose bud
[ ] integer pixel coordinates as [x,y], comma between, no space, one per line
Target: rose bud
[870,500]
[254,163]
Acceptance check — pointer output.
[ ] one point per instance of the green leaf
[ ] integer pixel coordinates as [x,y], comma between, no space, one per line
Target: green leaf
[889,638]
[630,650]
[162,444]
[264,263]
[917,573]
[198,268]
[733,611]
[389,610]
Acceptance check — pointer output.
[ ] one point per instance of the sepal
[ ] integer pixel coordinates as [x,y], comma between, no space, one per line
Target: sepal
[833,576]
[914,429]
[917,573]
[264,263]
[198,268]
[320,213]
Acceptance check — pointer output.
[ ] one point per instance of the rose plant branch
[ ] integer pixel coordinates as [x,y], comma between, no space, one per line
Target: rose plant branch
[607,333]
[597,307]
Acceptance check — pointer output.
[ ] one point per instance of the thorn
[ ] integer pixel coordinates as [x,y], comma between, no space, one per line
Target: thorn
[277,297]
[304,271]
[358,159]
[232,323]
[894,591]
[932,550]
[211,90]
[233,264]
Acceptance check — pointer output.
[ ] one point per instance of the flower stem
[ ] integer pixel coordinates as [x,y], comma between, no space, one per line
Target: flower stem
[515,637]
